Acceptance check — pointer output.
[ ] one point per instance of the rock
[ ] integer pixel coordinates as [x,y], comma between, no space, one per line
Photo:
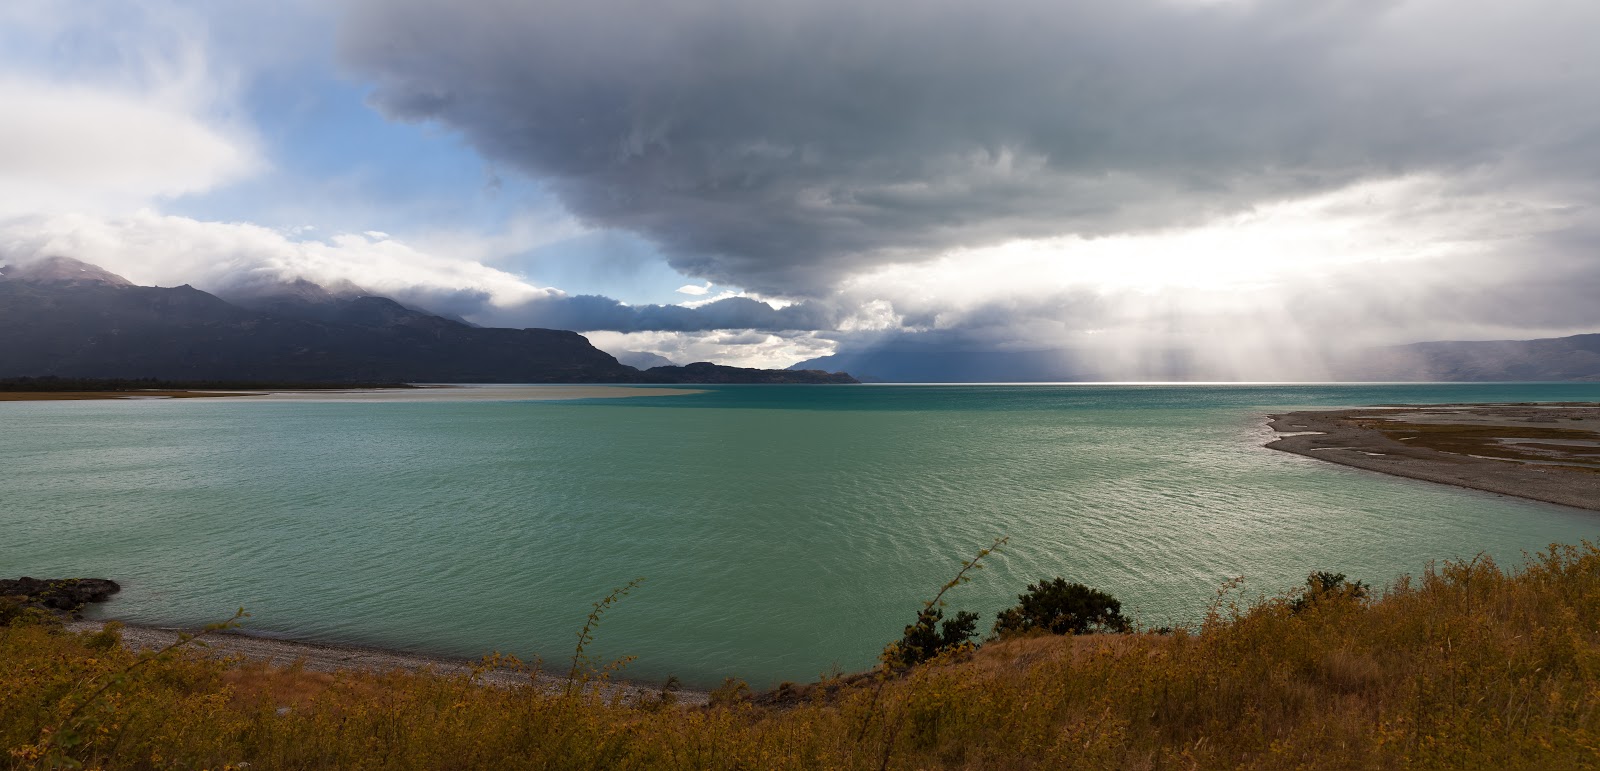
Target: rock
[59,594]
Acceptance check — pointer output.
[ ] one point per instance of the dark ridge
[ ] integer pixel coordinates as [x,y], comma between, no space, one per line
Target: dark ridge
[73,321]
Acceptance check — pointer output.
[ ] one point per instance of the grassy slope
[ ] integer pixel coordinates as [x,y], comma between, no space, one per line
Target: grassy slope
[1469,666]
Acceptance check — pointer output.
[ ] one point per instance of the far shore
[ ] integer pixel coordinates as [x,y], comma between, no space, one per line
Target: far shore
[486,393]
[442,393]
[321,657]
[74,396]
[1542,452]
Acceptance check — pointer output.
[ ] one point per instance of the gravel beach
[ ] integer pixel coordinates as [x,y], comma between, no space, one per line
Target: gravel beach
[1544,452]
[317,657]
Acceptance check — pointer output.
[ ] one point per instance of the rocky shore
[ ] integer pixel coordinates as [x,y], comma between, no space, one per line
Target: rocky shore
[61,595]
[1544,452]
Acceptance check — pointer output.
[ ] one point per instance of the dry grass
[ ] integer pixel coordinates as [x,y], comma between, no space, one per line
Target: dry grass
[1486,441]
[1468,666]
[256,684]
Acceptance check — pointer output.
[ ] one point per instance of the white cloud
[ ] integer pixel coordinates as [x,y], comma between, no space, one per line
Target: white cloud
[151,248]
[738,349]
[725,294]
[112,107]
[776,303]
[1388,251]
[522,232]
[66,147]
[695,289]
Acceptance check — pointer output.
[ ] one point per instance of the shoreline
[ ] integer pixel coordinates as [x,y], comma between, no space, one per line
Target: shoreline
[477,393]
[1542,452]
[80,396]
[327,657]
[431,393]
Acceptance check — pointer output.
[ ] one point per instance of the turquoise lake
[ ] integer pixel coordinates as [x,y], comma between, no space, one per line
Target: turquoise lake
[782,531]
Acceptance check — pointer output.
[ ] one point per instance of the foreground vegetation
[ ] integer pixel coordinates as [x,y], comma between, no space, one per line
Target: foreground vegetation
[1468,666]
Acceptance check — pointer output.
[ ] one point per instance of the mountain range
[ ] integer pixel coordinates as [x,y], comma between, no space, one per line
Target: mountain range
[67,318]
[1574,358]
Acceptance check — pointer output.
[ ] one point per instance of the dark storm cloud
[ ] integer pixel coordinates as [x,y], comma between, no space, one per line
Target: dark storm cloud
[781,145]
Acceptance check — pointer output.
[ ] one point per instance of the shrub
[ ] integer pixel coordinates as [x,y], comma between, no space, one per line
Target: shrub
[732,691]
[1322,585]
[928,638]
[1058,607]
[20,613]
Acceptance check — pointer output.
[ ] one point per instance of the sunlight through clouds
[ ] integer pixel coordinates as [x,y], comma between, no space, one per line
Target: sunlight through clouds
[1365,225]
[833,178]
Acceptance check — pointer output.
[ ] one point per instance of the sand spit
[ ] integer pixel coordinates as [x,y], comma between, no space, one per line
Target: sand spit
[316,657]
[518,393]
[1544,452]
[77,396]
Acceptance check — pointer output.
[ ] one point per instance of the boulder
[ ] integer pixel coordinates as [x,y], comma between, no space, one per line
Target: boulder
[59,594]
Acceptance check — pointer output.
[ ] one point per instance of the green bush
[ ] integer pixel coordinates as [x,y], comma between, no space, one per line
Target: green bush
[20,613]
[933,635]
[1323,585]
[1058,607]
[928,637]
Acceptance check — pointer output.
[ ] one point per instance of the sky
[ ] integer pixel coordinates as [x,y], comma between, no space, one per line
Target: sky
[760,184]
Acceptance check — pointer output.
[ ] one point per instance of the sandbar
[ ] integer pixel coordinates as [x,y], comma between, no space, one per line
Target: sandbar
[443,393]
[1543,452]
[74,396]
[485,393]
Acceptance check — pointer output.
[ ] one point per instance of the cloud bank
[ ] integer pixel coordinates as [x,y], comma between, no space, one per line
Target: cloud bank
[786,146]
[152,248]
[1238,180]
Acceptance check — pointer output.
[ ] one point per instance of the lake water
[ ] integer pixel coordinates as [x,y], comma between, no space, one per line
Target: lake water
[782,531]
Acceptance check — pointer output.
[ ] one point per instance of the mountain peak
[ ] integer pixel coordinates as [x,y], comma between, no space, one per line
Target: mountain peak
[642,360]
[60,270]
[341,302]
[296,290]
